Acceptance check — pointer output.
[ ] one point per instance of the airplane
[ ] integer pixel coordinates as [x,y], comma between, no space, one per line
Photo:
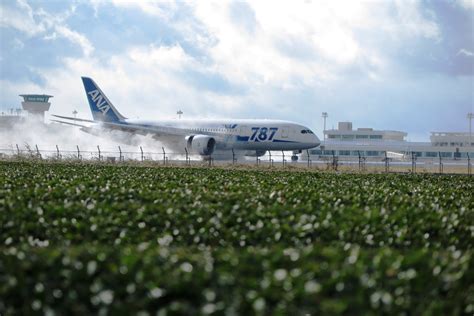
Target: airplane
[252,137]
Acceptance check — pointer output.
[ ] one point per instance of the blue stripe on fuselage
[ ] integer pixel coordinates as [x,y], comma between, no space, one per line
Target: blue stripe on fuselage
[242,138]
[246,139]
[283,141]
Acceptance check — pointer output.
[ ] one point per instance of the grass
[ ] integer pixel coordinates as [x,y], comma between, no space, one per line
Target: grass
[89,238]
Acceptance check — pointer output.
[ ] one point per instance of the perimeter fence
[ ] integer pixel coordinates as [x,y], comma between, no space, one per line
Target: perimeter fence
[411,164]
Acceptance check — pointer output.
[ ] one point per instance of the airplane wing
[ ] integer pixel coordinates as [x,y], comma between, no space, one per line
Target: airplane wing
[144,129]
[73,118]
[68,123]
[141,129]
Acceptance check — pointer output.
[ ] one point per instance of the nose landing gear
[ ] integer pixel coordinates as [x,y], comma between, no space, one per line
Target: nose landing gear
[294,157]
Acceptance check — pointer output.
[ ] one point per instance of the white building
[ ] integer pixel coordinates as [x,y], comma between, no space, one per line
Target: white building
[33,106]
[346,133]
[36,105]
[367,142]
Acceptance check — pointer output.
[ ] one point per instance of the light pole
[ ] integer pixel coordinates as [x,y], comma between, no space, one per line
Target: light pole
[469,117]
[325,116]
[179,114]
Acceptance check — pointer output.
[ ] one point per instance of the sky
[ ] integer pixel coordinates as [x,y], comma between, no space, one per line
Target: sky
[397,65]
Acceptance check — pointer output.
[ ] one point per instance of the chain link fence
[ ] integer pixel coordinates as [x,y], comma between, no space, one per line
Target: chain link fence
[412,164]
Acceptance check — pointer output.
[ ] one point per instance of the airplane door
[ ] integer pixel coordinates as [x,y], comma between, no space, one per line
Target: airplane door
[284,132]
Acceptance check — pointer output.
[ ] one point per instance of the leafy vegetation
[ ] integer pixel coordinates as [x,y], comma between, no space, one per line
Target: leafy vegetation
[82,238]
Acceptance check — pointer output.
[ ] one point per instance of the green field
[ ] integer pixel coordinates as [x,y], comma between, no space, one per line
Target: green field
[92,238]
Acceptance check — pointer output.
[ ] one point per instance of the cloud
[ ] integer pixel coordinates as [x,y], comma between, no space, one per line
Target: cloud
[467,4]
[465,52]
[243,15]
[312,43]
[157,8]
[412,20]
[38,22]
[148,81]
[260,43]
[20,18]
[75,37]
[253,59]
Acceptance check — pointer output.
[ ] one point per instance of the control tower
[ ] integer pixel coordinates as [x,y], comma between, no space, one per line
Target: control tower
[36,105]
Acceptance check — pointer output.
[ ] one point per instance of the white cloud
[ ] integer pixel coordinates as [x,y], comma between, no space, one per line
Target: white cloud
[158,8]
[76,38]
[254,58]
[162,57]
[465,52]
[412,21]
[146,82]
[467,4]
[327,33]
[282,49]
[162,9]
[41,23]
[21,19]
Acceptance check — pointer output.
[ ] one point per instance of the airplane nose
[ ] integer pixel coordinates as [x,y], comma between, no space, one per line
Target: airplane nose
[315,141]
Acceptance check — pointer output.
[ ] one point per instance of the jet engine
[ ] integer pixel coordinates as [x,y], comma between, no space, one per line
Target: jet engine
[201,144]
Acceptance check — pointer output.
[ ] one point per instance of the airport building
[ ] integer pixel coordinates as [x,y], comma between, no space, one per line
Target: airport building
[11,117]
[33,107]
[367,142]
[36,105]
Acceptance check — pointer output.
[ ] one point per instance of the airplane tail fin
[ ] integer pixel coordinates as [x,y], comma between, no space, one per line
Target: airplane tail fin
[102,109]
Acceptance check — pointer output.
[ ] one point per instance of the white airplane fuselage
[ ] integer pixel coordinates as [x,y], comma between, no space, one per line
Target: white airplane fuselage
[242,134]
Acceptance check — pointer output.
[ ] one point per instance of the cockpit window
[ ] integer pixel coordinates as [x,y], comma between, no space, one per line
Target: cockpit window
[304,131]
